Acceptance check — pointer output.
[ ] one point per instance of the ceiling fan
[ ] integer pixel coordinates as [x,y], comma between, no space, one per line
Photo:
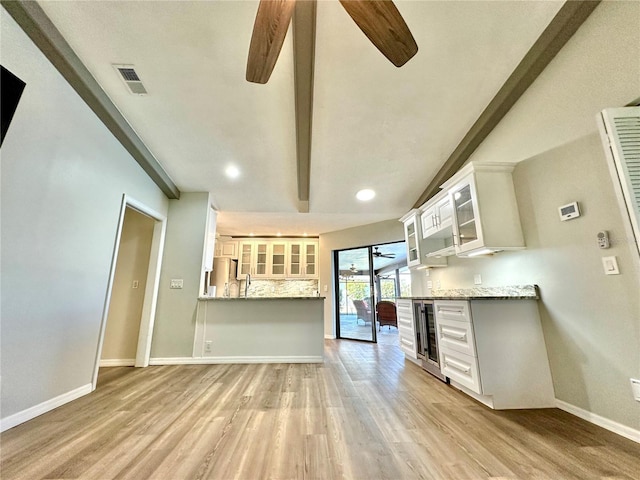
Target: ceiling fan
[379,20]
[379,254]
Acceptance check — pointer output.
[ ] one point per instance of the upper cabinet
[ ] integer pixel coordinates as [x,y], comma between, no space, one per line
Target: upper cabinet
[475,213]
[416,244]
[226,249]
[286,258]
[485,211]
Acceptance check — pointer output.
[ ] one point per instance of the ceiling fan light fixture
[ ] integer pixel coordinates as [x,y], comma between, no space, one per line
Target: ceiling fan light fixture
[365,195]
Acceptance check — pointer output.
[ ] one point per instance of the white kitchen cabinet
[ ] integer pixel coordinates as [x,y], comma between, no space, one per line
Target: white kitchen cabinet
[227,249]
[210,241]
[283,258]
[406,328]
[415,243]
[485,211]
[246,258]
[437,226]
[277,259]
[494,350]
[302,259]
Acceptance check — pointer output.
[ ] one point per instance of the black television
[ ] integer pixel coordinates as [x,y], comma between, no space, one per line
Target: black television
[11,88]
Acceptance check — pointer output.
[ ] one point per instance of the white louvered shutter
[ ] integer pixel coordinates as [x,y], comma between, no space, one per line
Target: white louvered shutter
[620,131]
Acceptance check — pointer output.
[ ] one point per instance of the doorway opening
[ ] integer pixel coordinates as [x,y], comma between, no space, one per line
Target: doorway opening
[132,292]
[365,278]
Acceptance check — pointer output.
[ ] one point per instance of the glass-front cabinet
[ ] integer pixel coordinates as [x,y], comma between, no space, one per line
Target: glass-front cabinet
[311,259]
[278,259]
[467,231]
[302,259]
[411,238]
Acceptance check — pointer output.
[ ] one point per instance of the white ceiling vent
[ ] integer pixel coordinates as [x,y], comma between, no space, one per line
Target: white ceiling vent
[131,79]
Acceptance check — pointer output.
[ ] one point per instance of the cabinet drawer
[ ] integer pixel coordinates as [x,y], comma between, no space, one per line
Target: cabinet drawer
[408,347]
[460,368]
[404,307]
[457,336]
[406,322]
[404,332]
[457,310]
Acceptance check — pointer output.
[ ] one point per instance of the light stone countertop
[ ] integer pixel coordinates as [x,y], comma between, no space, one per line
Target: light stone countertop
[513,292]
[225,299]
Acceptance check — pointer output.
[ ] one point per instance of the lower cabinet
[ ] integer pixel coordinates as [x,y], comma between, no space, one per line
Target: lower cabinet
[494,351]
[406,328]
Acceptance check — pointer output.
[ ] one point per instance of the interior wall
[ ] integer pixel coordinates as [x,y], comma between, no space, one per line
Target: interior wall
[63,178]
[125,308]
[372,234]
[591,321]
[174,328]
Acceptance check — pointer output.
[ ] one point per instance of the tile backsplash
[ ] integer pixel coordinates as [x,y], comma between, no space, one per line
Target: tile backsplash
[281,288]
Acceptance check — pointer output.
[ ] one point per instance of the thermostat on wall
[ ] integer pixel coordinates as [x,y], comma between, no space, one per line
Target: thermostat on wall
[569,211]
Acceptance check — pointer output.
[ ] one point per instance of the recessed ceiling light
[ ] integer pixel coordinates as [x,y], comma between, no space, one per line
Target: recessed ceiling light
[251,234]
[365,195]
[279,234]
[232,171]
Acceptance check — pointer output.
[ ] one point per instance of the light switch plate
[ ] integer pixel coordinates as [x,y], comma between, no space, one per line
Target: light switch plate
[429,284]
[176,283]
[610,265]
[635,388]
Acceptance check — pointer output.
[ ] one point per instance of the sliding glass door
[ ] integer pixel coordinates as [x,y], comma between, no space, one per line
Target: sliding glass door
[355,294]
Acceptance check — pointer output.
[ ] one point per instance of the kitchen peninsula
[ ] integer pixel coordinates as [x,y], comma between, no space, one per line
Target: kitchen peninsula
[260,330]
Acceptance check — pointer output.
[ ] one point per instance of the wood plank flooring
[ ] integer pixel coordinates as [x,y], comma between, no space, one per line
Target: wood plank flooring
[363,414]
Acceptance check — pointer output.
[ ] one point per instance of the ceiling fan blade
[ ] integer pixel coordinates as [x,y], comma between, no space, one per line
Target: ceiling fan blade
[269,30]
[382,23]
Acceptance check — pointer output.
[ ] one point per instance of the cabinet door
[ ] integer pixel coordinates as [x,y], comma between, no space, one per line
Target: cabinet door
[466,219]
[261,263]
[411,238]
[311,259]
[245,259]
[428,221]
[295,266]
[277,267]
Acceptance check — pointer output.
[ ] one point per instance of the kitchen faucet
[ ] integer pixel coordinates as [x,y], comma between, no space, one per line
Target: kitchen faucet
[246,284]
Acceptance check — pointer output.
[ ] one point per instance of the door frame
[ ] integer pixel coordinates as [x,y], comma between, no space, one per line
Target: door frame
[147,318]
[336,276]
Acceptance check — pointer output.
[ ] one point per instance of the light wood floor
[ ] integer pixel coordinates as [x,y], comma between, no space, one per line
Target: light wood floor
[363,414]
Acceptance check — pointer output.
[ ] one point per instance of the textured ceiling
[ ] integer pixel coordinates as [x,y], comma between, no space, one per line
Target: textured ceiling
[374,125]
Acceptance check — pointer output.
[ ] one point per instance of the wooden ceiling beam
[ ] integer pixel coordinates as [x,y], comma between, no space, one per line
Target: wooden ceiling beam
[566,22]
[304,40]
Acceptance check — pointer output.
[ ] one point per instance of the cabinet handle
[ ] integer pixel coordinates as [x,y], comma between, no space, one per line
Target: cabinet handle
[457,366]
[452,333]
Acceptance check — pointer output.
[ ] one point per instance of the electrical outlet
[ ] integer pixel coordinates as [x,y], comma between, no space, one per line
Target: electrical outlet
[438,284]
[208,345]
[429,284]
[477,279]
[176,283]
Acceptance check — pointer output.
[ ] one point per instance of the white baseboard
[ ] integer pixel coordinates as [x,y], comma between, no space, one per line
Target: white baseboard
[118,362]
[329,337]
[610,425]
[217,360]
[44,407]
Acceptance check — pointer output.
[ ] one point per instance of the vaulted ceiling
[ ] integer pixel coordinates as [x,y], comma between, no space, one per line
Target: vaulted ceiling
[373,125]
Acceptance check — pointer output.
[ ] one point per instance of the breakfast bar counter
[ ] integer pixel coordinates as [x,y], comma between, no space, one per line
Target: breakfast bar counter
[260,330]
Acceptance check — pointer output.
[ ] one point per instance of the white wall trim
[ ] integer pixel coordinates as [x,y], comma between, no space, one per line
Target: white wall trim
[44,407]
[117,362]
[153,283]
[219,360]
[329,337]
[603,422]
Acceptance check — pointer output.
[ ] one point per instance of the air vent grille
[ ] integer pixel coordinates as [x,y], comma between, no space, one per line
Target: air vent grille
[129,74]
[131,79]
